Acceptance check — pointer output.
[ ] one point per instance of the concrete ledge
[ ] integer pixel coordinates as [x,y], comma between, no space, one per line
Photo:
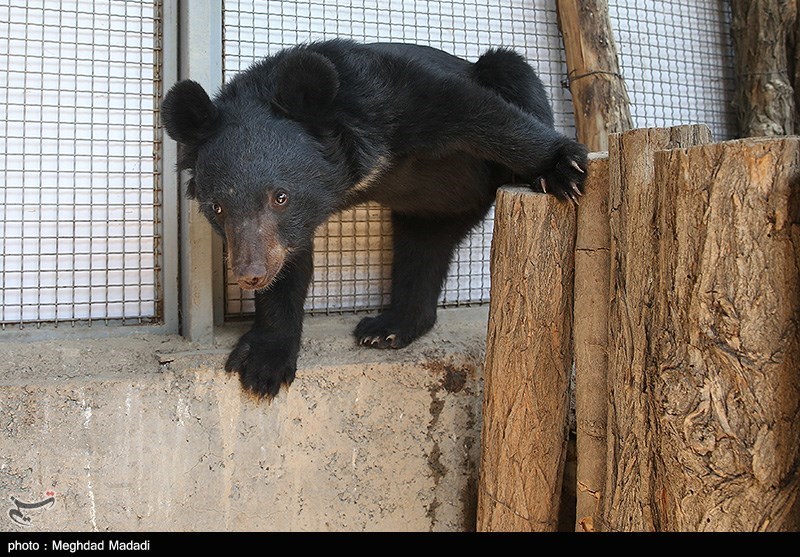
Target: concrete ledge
[148,433]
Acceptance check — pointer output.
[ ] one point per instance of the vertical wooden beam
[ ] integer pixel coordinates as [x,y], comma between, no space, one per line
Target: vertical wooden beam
[634,234]
[598,91]
[528,363]
[590,331]
[725,384]
[601,107]
[764,97]
[793,60]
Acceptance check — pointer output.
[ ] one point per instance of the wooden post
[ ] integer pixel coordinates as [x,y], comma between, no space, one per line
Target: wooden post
[633,202]
[764,97]
[601,106]
[793,56]
[598,90]
[590,331]
[725,385]
[528,363]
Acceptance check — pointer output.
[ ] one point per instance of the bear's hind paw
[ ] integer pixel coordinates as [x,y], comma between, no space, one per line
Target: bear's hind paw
[380,341]
[387,331]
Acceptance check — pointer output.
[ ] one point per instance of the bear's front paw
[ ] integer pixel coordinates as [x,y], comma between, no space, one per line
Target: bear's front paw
[566,176]
[264,362]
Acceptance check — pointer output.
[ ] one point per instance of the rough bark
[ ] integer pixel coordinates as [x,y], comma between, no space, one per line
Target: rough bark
[764,97]
[590,331]
[794,66]
[724,379]
[632,207]
[598,91]
[528,363]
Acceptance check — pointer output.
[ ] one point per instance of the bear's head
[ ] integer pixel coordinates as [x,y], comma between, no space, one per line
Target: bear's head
[259,156]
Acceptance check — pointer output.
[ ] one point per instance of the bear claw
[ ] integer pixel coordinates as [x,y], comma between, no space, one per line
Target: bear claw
[380,341]
[386,331]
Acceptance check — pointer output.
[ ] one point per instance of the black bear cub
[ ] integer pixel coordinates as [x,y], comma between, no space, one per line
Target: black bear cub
[318,128]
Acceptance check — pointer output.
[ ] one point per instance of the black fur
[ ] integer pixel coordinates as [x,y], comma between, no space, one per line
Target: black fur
[194,119]
[318,128]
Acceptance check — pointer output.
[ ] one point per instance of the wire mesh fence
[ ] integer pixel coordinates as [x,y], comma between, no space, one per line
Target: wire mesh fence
[677,61]
[80,178]
[81,195]
[353,251]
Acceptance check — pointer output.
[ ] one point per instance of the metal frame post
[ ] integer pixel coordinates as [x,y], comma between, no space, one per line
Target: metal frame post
[169,178]
[200,59]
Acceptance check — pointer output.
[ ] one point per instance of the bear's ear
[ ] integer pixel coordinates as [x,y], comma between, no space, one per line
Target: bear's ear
[188,114]
[307,83]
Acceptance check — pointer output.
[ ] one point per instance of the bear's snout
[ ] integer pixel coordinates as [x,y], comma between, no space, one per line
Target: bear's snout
[255,253]
[255,276]
[252,277]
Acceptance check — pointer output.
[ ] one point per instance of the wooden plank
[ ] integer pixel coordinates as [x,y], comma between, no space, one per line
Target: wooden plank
[590,330]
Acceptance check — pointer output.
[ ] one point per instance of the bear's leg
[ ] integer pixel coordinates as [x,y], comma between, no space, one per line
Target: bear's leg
[423,249]
[490,128]
[266,356]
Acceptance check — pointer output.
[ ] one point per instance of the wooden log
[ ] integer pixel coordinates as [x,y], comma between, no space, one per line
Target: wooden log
[794,65]
[725,385]
[590,332]
[764,96]
[632,207]
[598,90]
[601,106]
[528,363]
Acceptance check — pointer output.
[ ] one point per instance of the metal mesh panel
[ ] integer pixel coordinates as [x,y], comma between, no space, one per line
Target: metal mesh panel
[677,59]
[80,179]
[353,251]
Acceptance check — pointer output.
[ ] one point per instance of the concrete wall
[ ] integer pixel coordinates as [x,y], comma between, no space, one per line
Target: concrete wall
[148,433]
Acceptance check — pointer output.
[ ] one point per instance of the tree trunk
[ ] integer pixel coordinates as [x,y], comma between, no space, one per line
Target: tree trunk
[528,363]
[724,383]
[634,235]
[764,97]
[598,91]
[794,65]
[590,332]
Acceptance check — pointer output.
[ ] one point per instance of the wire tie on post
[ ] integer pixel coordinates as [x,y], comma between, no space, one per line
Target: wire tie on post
[566,82]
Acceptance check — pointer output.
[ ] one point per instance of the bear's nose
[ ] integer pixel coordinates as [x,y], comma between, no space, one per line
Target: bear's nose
[252,277]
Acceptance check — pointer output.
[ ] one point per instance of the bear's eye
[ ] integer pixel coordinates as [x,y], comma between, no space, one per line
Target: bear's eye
[279,198]
[217,208]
